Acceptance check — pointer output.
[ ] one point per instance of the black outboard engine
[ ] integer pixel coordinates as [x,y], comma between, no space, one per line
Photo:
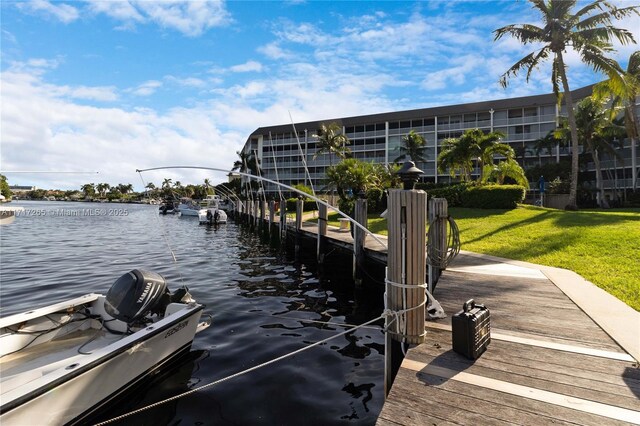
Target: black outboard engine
[135,294]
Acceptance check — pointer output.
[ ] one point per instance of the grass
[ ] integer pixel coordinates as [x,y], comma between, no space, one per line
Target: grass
[603,246]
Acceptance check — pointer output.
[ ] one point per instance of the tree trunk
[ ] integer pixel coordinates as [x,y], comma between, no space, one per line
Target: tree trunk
[632,132]
[602,201]
[573,191]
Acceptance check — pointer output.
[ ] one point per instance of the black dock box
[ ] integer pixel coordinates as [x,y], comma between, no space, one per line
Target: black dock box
[471,330]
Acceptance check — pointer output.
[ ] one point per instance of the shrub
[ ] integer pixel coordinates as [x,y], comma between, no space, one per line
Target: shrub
[452,192]
[558,186]
[376,200]
[347,206]
[493,196]
[307,205]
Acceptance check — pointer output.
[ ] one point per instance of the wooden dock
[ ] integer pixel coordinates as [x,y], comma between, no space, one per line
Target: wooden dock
[549,362]
[562,351]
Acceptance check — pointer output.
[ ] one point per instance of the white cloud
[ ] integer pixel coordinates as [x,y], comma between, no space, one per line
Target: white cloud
[249,66]
[186,82]
[192,18]
[189,17]
[58,134]
[104,93]
[274,51]
[60,11]
[146,89]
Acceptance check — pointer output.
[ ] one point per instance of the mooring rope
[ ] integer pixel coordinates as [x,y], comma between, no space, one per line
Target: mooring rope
[401,316]
[240,373]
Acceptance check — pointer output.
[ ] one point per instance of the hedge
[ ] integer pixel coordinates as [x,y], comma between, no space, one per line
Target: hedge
[493,196]
[307,206]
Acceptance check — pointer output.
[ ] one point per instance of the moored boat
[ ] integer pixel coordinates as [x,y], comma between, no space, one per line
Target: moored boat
[213,213]
[62,362]
[188,207]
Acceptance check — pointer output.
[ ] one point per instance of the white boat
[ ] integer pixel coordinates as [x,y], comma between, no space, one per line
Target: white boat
[62,362]
[188,207]
[213,213]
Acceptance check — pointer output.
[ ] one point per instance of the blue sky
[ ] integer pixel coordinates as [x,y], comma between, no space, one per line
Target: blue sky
[112,86]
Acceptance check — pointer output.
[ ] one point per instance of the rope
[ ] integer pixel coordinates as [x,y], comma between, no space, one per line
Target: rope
[240,373]
[437,256]
[400,316]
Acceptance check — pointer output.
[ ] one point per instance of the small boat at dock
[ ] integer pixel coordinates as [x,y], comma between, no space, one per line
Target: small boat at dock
[213,214]
[63,362]
[189,207]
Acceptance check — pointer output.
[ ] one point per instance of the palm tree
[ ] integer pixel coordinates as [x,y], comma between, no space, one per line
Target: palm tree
[587,33]
[102,188]
[508,168]
[625,95]
[248,163]
[489,145]
[596,130]
[166,183]
[150,186]
[331,140]
[457,154]
[547,143]
[88,189]
[413,146]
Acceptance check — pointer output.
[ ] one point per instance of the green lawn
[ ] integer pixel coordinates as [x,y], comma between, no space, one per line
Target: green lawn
[603,246]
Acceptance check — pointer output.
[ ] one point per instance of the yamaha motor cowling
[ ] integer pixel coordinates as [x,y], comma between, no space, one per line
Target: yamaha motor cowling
[136,293]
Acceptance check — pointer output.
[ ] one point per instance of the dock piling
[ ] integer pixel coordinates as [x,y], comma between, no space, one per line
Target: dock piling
[406,269]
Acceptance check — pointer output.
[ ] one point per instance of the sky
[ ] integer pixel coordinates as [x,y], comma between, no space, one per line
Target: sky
[90,90]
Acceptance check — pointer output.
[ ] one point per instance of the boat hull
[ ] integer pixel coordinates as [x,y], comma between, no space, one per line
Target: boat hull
[77,390]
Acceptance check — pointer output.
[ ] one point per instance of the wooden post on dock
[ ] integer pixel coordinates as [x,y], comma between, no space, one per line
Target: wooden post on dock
[406,269]
[359,237]
[299,212]
[438,209]
[261,224]
[322,232]
[272,217]
[255,213]
[283,221]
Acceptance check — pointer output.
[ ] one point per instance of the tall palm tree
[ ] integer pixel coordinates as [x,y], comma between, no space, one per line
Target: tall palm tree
[413,146]
[102,188]
[331,140]
[247,163]
[625,95]
[596,130]
[587,31]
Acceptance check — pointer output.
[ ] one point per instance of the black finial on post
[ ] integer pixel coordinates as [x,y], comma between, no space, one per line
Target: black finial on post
[409,174]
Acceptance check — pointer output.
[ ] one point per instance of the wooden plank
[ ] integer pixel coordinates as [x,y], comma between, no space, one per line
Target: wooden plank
[424,412]
[531,340]
[464,394]
[446,357]
[551,397]
[416,389]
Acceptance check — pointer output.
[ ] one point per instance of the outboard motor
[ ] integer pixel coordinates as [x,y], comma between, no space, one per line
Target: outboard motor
[135,294]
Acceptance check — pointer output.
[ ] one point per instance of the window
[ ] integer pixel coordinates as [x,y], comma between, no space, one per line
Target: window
[515,113]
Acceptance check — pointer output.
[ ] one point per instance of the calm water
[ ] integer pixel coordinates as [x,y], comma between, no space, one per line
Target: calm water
[263,305]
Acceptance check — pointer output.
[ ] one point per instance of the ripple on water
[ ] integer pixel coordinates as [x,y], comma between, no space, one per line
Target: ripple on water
[263,306]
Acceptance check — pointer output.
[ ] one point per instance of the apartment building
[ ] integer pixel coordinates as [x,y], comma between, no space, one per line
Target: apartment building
[287,155]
